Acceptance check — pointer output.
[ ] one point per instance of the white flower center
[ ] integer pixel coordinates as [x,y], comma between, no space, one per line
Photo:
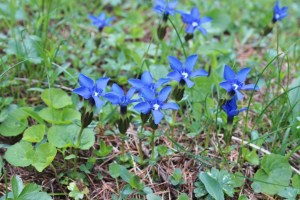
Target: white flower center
[96,94]
[277,16]
[194,24]
[156,106]
[235,86]
[184,74]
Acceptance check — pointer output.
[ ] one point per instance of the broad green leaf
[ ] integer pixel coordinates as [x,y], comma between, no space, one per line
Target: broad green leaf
[183,196]
[20,154]
[237,179]
[56,98]
[32,113]
[125,174]
[212,186]
[35,196]
[289,193]
[294,96]
[62,136]
[64,116]
[136,183]
[44,155]
[273,176]
[243,197]
[34,133]
[224,179]
[296,181]
[200,190]
[17,186]
[153,197]
[14,124]
[114,170]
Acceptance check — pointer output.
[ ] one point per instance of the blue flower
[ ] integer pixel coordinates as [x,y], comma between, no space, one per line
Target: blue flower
[236,82]
[91,91]
[147,81]
[118,97]
[155,103]
[101,21]
[194,21]
[231,108]
[279,13]
[183,73]
[165,8]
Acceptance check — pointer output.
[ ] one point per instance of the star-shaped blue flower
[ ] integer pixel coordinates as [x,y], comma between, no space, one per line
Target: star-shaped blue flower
[194,21]
[156,103]
[91,91]
[231,108]
[236,82]
[147,81]
[165,8]
[118,97]
[182,73]
[279,13]
[101,21]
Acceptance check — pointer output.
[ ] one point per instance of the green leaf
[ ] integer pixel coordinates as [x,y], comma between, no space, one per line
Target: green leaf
[153,197]
[243,197]
[64,116]
[224,179]
[20,154]
[114,170]
[14,124]
[56,98]
[296,181]
[63,136]
[200,190]
[238,179]
[251,156]
[35,196]
[125,174]
[212,186]
[17,186]
[289,193]
[275,174]
[176,178]
[44,155]
[136,183]
[33,114]
[294,96]
[34,133]
[183,196]
[104,149]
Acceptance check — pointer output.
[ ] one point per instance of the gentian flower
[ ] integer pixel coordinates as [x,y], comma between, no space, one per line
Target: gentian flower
[231,109]
[182,73]
[147,81]
[194,21]
[155,103]
[101,21]
[91,91]
[165,8]
[118,97]
[279,13]
[236,82]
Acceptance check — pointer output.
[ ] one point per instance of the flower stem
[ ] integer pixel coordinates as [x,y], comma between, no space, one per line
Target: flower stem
[141,144]
[123,148]
[77,149]
[152,144]
[177,33]
[173,126]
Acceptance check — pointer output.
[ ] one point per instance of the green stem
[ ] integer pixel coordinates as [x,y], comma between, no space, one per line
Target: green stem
[181,43]
[77,149]
[173,125]
[141,144]
[123,147]
[207,138]
[152,145]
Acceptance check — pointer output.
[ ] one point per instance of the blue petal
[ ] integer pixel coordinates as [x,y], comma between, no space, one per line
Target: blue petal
[199,72]
[136,83]
[93,18]
[101,16]
[190,29]
[83,91]
[143,107]
[164,93]
[190,63]
[172,5]
[205,20]
[239,95]
[187,18]
[85,81]
[203,30]
[243,109]
[148,94]
[130,93]
[98,102]
[172,106]
[147,78]
[229,74]
[233,113]
[195,13]
[175,75]
[175,63]
[101,83]
[113,98]
[242,74]
[188,82]
[157,115]
[226,85]
[118,90]
[250,87]
[161,81]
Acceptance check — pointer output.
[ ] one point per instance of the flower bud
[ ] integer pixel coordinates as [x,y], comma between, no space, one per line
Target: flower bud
[188,36]
[161,31]
[123,124]
[178,93]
